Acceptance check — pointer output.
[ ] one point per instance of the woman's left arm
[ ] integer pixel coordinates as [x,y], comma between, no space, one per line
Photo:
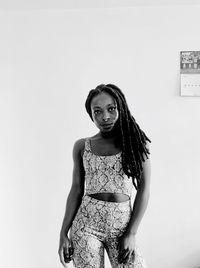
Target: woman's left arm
[141,198]
[127,241]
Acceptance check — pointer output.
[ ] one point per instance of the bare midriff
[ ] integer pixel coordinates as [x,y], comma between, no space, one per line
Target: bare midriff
[110,197]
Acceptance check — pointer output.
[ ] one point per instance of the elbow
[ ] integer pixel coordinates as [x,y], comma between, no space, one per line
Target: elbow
[75,196]
[143,196]
[77,191]
[144,191]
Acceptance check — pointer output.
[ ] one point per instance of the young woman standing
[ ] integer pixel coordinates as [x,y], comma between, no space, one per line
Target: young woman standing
[107,166]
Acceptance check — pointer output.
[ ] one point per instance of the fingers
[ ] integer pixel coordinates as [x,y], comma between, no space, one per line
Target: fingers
[65,253]
[126,257]
[125,248]
[62,258]
[123,256]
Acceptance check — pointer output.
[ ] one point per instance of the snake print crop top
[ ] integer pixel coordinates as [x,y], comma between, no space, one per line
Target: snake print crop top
[104,174]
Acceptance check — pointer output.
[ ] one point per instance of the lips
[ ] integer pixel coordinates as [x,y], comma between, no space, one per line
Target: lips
[107,125]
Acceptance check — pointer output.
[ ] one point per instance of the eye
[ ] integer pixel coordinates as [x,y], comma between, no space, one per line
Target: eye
[96,112]
[112,109]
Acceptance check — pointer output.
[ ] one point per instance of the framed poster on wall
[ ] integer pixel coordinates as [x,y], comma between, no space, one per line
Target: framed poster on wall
[190,73]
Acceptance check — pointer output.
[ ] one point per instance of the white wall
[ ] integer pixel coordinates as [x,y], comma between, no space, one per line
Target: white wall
[48,62]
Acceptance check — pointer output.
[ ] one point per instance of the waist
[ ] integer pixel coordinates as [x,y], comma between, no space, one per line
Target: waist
[110,197]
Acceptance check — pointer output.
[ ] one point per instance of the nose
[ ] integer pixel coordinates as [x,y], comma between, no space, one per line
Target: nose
[106,116]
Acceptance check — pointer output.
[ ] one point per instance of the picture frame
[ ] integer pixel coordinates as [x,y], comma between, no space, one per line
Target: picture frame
[190,73]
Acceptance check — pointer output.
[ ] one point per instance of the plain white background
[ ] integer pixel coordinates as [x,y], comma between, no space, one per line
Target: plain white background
[49,60]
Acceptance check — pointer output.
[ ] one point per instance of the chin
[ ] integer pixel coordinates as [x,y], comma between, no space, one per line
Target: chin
[107,130]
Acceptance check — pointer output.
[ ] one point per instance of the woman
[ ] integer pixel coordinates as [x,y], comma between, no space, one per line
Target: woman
[107,166]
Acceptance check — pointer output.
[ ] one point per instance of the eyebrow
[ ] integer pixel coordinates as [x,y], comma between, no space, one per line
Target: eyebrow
[98,107]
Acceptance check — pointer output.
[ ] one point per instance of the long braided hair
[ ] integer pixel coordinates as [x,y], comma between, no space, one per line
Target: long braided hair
[132,138]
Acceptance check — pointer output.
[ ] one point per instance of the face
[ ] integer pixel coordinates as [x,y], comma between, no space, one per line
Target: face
[104,111]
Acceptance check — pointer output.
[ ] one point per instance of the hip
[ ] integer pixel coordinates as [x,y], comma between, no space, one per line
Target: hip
[102,215]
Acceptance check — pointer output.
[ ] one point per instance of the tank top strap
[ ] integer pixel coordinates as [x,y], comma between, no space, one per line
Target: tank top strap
[87,145]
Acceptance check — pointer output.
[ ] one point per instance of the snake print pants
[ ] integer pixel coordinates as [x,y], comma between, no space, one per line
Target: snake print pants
[97,226]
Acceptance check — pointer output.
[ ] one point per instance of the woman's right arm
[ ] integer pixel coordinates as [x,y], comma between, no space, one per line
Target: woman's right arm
[74,198]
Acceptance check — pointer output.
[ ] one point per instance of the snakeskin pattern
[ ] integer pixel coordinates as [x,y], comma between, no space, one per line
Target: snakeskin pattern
[97,226]
[105,174]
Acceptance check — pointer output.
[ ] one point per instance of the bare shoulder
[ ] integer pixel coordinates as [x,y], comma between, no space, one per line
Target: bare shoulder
[78,148]
[95,137]
[146,162]
[148,145]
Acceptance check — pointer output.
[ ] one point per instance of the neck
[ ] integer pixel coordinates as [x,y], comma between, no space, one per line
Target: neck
[108,135]
[113,134]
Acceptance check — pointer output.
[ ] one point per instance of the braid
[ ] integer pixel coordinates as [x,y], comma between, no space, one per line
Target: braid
[133,139]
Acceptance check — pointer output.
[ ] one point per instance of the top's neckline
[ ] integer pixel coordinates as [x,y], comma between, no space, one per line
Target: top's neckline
[112,155]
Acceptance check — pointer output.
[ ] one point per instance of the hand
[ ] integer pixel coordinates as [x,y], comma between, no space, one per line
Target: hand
[65,250]
[126,246]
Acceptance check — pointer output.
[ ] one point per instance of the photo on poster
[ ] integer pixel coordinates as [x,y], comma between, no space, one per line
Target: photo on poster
[190,73]
[189,62]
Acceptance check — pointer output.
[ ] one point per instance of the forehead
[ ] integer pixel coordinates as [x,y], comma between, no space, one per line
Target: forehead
[103,99]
